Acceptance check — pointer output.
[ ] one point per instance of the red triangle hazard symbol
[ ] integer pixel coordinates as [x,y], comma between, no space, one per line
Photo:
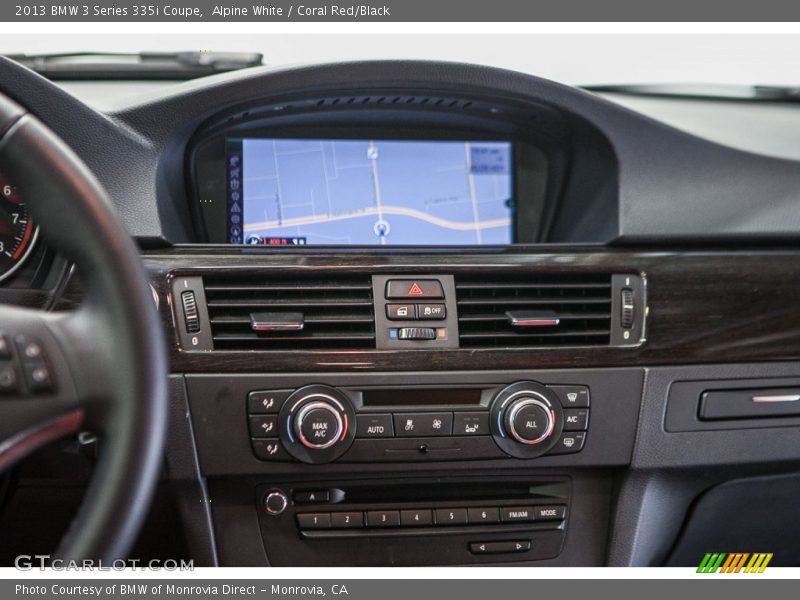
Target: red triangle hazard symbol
[415,290]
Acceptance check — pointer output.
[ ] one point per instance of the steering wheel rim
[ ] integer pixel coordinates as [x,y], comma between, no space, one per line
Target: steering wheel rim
[107,360]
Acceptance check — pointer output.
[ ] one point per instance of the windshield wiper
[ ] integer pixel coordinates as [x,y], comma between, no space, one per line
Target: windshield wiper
[757,93]
[174,66]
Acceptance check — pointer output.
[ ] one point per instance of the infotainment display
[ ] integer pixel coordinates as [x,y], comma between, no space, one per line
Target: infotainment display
[369,191]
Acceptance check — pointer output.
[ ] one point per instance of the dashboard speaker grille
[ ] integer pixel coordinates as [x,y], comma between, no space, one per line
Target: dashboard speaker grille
[336,312]
[580,304]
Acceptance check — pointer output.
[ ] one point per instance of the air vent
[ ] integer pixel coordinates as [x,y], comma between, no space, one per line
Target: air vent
[549,310]
[319,313]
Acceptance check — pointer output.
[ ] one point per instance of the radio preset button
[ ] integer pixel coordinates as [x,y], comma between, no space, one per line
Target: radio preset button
[423,424]
[451,516]
[478,516]
[314,520]
[374,426]
[383,518]
[347,520]
[416,518]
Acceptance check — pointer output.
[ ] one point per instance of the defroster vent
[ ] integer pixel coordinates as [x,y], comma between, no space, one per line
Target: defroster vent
[290,313]
[515,310]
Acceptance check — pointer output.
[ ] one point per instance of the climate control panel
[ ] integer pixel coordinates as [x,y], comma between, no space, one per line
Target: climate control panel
[318,424]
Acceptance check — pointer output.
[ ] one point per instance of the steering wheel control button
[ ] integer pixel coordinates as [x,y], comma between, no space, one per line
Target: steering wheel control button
[5,347]
[383,518]
[451,516]
[471,423]
[415,289]
[266,401]
[314,520]
[569,442]
[423,424]
[401,312]
[263,425]
[576,419]
[270,449]
[318,425]
[508,547]
[550,513]
[9,382]
[478,516]
[572,396]
[275,502]
[416,333]
[431,312]
[530,421]
[374,426]
[516,514]
[37,373]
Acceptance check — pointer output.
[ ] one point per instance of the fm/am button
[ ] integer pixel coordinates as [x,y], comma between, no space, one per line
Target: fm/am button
[374,426]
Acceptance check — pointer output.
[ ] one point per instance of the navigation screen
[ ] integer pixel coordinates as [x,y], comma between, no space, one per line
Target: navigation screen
[364,192]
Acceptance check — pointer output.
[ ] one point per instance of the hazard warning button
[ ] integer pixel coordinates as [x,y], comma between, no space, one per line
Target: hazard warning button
[413,288]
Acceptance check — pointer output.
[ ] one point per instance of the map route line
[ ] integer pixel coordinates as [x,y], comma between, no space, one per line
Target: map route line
[385,209]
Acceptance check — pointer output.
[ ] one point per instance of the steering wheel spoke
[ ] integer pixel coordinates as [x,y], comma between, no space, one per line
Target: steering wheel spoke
[39,401]
[102,367]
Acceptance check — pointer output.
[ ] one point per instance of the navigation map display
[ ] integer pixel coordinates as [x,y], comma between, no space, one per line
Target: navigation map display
[365,192]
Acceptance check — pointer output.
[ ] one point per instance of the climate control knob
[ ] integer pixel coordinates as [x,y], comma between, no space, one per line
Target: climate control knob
[529,420]
[526,419]
[316,424]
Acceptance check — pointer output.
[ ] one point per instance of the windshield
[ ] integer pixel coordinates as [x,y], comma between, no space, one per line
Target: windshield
[568,58]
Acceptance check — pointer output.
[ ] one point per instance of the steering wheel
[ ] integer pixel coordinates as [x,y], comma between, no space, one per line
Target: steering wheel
[102,367]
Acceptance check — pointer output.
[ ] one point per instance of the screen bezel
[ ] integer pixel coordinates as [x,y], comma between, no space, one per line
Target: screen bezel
[531,172]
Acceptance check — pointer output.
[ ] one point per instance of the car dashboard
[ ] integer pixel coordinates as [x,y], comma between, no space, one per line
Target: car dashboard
[423,313]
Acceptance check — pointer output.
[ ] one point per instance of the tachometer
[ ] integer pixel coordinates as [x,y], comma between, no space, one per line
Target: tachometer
[17,231]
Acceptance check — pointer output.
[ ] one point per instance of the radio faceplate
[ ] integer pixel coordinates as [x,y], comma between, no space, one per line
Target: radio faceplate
[414,522]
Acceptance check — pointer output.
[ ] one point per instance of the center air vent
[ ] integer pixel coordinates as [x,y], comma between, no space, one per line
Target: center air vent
[530,310]
[297,313]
